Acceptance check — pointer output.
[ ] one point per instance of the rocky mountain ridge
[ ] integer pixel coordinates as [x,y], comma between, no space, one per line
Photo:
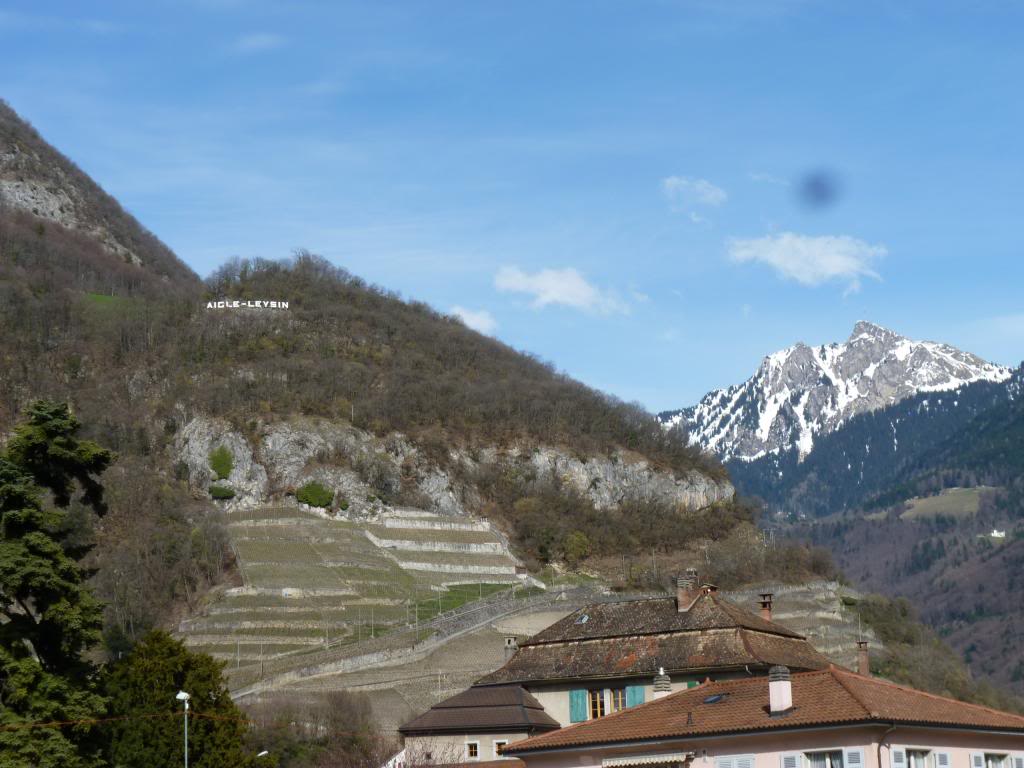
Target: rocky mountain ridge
[801,391]
[37,179]
[362,468]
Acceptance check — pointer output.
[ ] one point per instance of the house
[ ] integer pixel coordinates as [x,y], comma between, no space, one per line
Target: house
[611,656]
[474,726]
[829,718]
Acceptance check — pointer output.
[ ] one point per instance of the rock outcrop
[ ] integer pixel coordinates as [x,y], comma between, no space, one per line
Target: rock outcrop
[363,469]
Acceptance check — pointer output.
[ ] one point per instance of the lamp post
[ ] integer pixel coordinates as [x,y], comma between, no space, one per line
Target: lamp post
[183,698]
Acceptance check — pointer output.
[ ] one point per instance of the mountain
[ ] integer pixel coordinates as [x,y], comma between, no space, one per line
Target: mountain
[36,179]
[802,392]
[350,394]
[967,436]
[436,453]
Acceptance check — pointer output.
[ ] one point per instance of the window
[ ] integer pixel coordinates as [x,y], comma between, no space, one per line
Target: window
[735,761]
[498,744]
[918,758]
[827,758]
[993,761]
[472,750]
[832,758]
[595,697]
[617,699]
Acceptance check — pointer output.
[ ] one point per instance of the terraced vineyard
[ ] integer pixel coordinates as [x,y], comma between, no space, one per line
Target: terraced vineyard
[310,581]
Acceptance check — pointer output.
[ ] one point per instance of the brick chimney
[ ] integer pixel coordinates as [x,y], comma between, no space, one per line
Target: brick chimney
[863,660]
[766,606]
[662,684]
[687,590]
[780,690]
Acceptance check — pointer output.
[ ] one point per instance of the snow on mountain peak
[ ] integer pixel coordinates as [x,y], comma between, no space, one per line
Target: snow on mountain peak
[802,391]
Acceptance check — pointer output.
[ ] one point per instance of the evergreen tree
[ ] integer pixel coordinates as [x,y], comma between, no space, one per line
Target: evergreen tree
[143,686]
[50,616]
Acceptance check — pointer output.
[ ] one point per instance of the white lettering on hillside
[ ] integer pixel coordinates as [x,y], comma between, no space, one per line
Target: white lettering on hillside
[246,304]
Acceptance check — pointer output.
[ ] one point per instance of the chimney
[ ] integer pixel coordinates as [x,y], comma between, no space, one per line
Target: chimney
[766,606]
[780,690]
[863,660]
[686,590]
[511,646]
[662,684]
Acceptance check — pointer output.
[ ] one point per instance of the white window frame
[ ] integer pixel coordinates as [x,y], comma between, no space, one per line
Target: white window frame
[477,756]
[499,743]
[734,761]
[826,750]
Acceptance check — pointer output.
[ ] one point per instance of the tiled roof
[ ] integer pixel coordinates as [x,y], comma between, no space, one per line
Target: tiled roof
[654,616]
[636,637]
[826,697]
[691,652]
[499,707]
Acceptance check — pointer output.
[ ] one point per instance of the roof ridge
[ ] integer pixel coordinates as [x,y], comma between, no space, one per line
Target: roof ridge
[891,684]
[781,629]
[842,683]
[742,632]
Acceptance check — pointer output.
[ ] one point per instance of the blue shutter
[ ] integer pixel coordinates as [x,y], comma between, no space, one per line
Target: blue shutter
[577,705]
[634,695]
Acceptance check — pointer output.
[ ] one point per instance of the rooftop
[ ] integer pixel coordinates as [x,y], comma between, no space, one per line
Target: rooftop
[826,697]
[496,708]
[654,616]
[635,637]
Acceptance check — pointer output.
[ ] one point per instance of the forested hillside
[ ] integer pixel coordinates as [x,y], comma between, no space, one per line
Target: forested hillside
[98,313]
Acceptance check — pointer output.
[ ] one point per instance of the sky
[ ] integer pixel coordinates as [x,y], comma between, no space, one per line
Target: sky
[649,194]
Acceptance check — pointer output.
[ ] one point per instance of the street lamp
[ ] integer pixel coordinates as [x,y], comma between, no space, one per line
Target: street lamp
[183,698]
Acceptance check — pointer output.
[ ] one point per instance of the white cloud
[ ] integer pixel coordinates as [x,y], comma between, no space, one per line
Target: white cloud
[558,286]
[478,319]
[684,193]
[767,178]
[258,42]
[811,260]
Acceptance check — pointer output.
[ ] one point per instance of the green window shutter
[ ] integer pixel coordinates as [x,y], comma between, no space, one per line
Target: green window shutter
[634,695]
[577,705]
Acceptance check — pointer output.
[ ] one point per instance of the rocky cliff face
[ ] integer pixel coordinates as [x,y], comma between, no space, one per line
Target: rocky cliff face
[37,179]
[363,470]
[803,391]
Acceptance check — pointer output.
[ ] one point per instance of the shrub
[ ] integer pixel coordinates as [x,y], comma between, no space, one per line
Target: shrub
[315,494]
[221,492]
[221,462]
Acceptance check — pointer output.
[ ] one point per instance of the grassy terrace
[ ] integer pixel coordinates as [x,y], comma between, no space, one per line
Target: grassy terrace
[425,535]
[314,578]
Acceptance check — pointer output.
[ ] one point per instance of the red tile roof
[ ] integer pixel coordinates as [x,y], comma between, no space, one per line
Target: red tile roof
[654,616]
[636,637]
[826,697]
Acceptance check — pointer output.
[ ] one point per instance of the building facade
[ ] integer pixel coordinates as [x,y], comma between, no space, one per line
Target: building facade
[825,719]
[612,656]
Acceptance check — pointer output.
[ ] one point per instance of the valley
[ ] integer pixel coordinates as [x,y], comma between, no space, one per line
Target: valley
[360,493]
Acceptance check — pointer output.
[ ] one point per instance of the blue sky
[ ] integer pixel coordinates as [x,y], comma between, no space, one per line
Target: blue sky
[621,188]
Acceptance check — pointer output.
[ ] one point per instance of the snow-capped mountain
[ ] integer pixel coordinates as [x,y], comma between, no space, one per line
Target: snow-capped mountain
[803,391]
